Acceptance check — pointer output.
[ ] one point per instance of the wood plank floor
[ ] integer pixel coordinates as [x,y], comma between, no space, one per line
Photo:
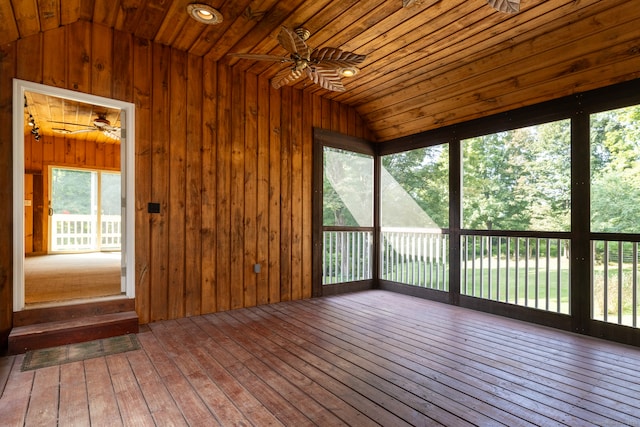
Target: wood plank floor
[368,358]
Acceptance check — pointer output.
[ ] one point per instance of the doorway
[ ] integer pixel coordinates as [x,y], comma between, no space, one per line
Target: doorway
[83,248]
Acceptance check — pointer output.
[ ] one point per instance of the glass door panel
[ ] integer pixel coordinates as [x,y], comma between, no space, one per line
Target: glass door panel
[347,216]
[73,210]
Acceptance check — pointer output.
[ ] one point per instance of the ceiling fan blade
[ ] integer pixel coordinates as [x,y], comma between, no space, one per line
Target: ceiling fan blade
[285,77]
[260,57]
[332,57]
[292,43]
[113,133]
[72,124]
[71,132]
[326,78]
[506,6]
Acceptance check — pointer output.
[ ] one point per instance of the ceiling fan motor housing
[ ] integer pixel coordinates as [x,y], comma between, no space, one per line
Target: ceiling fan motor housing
[303,33]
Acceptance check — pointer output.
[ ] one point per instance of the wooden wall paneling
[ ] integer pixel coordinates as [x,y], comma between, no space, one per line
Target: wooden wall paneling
[90,152]
[275,173]
[237,125]
[312,105]
[28,213]
[336,121]
[36,154]
[78,58]
[112,154]
[81,153]
[28,163]
[8,56]
[102,60]
[344,118]
[122,71]
[70,152]
[297,173]
[262,197]
[142,65]
[285,194]
[351,121]
[325,114]
[30,58]
[250,189]
[209,185]
[223,202]
[40,212]
[194,160]
[99,154]
[59,148]
[177,187]
[54,63]
[47,149]
[160,117]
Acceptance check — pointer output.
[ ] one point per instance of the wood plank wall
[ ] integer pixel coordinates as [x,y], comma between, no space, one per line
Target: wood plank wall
[227,157]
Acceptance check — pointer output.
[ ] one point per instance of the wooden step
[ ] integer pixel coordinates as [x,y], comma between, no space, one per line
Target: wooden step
[65,312]
[72,330]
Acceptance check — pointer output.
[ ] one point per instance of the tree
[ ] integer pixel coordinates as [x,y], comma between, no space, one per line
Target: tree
[422,174]
[615,170]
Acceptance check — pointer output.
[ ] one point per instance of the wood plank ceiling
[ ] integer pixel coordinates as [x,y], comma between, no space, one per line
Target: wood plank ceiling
[429,62]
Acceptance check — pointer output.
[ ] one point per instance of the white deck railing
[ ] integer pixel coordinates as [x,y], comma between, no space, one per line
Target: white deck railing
[347,256]
[415,256]
[80,232]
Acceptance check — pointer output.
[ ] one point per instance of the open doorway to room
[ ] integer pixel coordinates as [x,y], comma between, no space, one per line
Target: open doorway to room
[73,181]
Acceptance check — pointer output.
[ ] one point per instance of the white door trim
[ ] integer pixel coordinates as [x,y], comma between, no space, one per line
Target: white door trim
[127,171]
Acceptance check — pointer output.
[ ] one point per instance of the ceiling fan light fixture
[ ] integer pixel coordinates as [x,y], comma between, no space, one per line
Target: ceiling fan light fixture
[204,13]
[349,71]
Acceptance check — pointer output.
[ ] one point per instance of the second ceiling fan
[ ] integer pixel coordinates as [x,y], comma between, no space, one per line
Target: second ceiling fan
[100,124]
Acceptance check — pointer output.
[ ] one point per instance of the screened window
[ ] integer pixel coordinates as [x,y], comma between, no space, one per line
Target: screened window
[615,208]
[518,179]
[347,216]
[414,208]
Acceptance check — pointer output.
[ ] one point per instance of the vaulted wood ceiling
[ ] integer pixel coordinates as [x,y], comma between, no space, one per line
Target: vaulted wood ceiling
[433,63]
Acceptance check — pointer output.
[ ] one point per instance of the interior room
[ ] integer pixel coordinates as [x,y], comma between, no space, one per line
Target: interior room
[391,212]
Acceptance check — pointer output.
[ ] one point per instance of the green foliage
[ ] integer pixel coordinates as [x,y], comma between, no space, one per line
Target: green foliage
[615,171]
[518,180]
[422,174]
[72,191]
[111,198]
[347,189]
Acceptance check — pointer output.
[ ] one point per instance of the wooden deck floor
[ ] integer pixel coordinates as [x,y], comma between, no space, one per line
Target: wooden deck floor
[360,359]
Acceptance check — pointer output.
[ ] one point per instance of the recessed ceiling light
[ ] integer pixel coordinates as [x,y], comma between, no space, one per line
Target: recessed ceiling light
[204,13]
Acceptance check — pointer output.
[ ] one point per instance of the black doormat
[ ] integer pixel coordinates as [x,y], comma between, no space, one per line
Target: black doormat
[35,359]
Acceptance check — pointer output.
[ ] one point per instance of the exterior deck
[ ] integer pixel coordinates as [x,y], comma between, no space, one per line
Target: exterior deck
[365,358]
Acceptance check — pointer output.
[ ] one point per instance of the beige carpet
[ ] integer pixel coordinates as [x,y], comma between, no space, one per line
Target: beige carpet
[52,278]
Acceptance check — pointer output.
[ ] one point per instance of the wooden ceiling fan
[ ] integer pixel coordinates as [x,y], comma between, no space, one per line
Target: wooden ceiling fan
[100,124]
[323,66]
